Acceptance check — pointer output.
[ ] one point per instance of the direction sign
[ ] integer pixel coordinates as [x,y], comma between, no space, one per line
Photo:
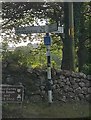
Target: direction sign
[60,30]
[30,29]
[12,93]
[36,29]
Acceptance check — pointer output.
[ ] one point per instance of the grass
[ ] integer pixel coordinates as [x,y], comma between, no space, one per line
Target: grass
[43,110]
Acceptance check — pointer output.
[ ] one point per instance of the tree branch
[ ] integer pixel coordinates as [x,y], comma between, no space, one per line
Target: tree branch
[6,22]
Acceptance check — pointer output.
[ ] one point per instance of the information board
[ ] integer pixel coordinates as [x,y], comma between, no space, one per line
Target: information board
[12,93]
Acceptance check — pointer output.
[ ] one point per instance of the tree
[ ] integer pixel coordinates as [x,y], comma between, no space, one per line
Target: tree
[68,41]
[22,14]
[15,11]
[82,36]
[26,14]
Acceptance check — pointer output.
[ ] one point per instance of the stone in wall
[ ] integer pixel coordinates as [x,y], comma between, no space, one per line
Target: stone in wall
[81,84]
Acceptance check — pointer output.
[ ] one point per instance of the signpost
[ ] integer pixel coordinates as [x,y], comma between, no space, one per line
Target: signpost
[36,29]
[52,28]
[12,93]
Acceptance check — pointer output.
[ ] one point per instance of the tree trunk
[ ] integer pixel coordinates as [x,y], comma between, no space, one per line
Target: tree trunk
[82,56]
[82,50]
[68,42]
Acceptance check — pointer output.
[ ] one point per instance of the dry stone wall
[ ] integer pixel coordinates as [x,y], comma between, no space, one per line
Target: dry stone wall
[67,86]
[72,86]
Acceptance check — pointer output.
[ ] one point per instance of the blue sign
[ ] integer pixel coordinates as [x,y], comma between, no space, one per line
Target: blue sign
[47,40]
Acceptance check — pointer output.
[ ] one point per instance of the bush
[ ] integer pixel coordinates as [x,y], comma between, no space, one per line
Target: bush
[87,69]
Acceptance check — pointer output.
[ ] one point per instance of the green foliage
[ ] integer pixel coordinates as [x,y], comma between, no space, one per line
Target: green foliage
[82,37]
[35,57]
[87,69]
[25,13]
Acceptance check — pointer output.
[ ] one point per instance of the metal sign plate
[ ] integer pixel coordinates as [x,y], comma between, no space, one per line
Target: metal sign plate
[36,29]
[60,30]
[12,93]
[30,29]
